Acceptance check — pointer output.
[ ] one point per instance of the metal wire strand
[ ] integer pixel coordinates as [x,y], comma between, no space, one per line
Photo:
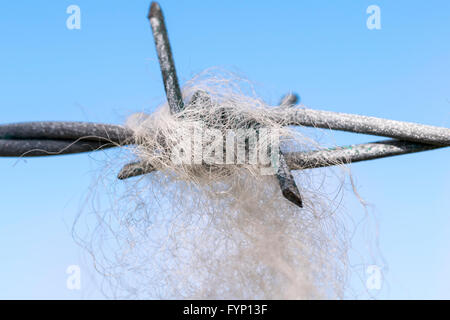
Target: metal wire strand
[56,138]
[353,153]
[39,148]
[67,131]
[400,130]
[320,158]
[165,57]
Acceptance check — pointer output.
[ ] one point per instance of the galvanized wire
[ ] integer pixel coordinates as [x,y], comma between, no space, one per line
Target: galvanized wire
[66,137]
[167,65]
[353,153]
[67,131]
[56,138]
[320,158]
[39,147]
[400,130]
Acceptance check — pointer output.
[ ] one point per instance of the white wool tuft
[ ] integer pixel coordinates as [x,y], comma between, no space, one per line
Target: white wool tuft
[216,231]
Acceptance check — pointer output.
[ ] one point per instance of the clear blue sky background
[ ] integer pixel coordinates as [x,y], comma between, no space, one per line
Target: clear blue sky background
[320,49]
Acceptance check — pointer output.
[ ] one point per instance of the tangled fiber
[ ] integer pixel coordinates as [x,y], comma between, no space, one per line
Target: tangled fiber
[210,230]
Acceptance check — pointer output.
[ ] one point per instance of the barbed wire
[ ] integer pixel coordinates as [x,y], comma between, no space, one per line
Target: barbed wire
[47,138]
[56,137]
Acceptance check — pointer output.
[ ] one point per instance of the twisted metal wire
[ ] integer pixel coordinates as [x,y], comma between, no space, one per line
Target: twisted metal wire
[57,138]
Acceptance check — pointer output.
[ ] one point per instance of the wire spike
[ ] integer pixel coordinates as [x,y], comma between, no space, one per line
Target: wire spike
[289,100]
[284,175]
[165,57]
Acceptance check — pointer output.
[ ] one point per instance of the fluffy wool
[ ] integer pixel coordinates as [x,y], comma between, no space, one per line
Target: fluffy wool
[211,230]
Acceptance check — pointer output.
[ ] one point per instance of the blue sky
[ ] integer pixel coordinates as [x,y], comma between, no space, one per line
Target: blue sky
[320,49]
